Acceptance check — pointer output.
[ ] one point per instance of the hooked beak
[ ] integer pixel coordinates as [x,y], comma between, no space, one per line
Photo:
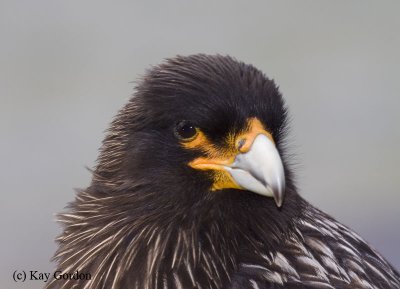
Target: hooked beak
[260,170]
[254,163]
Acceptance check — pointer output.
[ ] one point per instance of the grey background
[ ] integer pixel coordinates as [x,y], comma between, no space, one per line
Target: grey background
[66,67]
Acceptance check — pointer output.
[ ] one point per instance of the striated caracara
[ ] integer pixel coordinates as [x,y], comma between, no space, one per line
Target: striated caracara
[193,189]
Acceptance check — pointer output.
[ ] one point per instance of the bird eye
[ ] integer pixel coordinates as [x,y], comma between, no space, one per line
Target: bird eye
[186,131]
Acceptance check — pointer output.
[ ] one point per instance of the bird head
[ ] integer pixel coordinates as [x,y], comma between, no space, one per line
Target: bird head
[208,123]
[191,174]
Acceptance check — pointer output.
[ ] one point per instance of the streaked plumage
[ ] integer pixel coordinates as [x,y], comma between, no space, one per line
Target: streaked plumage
[149,220]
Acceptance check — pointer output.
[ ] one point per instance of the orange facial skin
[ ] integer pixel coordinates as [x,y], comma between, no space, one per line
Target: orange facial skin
[217,158]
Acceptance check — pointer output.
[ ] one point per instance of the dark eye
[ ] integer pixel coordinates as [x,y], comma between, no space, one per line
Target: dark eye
[186,130]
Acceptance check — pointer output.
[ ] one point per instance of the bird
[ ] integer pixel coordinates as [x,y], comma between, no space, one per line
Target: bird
[194,187]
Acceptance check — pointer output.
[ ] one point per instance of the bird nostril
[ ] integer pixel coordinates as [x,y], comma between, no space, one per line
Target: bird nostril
[240,143]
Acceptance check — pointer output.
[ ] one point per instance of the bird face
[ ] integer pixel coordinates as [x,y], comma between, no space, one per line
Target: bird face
[249,161]
[203,122]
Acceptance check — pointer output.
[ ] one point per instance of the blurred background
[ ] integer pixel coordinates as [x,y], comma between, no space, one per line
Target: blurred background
[66,68]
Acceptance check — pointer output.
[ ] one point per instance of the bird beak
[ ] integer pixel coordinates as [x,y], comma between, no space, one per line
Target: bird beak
[260,169]
[254,164]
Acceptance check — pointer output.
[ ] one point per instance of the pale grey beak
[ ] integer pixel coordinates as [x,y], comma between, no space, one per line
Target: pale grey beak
[260,170]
